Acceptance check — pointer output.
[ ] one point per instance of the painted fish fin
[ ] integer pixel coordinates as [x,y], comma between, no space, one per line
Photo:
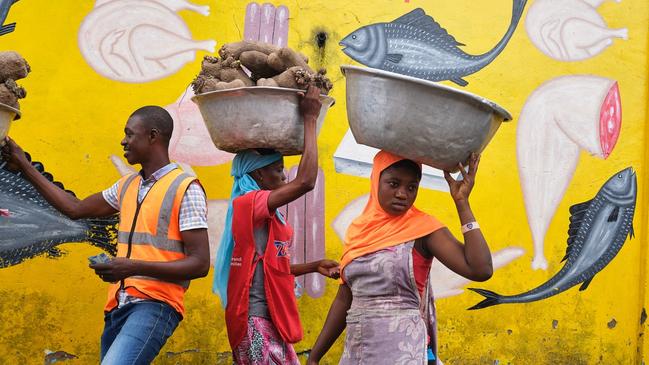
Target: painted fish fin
[491,298]
[577,214]
[5,29]
[631,232]
[581,207]
[460,81]
[394,57]
[418,18]
[585,284]
[614,214]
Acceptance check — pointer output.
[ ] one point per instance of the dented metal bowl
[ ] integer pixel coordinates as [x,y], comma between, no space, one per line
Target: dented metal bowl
[421,120]
[7,115]
[257,117]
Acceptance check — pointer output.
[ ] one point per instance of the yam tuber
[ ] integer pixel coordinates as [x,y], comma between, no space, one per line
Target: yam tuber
[286,58]
[236,49]
[13,66]
[229,85]
[229,74]
[267,82]
[10,92]
[257,63]
[267,64]
[211,66]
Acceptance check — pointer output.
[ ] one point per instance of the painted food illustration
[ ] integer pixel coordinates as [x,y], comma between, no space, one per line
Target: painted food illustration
[570,30]
[559,119]
[265,23]
[598,230]
[138,41]
[190,141]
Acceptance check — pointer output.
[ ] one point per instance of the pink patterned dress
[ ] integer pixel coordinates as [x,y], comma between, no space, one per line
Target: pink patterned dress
[388,322]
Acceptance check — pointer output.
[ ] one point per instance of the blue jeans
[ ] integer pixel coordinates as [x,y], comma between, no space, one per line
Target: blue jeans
[135,333]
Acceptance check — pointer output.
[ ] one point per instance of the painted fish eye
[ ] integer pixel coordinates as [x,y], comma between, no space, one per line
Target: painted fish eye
[619,176]
[353,37]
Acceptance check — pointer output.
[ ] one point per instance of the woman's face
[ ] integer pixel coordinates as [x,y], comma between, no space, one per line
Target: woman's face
[270,177]
[398,189]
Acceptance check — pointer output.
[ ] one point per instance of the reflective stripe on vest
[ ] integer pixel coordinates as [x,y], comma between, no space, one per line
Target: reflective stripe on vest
[152,235]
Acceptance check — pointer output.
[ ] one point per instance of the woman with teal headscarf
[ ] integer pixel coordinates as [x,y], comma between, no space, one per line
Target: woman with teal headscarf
[252,274]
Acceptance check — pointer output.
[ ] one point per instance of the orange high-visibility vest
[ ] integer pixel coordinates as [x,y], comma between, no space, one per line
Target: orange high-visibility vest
[150,231]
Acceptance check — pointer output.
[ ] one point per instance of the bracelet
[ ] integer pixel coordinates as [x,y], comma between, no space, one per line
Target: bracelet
[470,227]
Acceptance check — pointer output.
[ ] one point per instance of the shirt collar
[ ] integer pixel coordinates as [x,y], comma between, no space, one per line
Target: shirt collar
[160,173]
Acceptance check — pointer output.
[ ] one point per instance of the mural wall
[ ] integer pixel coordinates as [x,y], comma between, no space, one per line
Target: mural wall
[559,196]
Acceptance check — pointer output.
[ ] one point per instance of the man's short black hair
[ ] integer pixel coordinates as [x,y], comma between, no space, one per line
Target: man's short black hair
[156,117]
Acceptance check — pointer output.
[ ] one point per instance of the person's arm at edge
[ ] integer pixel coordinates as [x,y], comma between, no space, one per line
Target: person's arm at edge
[334,324]
[328,268]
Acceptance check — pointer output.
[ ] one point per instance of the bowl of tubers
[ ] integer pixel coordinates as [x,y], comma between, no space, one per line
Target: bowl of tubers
[7,115]
[418,119]
[248,96]
[257,117]
[12,67]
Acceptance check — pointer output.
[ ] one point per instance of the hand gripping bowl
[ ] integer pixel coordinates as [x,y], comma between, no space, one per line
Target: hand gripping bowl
[257,117]
[420,120]
[7,115]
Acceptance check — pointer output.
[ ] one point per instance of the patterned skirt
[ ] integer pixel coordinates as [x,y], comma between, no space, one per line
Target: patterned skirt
[264,346]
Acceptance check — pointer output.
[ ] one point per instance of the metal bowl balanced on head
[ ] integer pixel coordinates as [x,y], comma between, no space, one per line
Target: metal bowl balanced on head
[418,119]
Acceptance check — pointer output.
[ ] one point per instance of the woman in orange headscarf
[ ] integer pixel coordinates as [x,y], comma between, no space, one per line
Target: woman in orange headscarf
[384,299]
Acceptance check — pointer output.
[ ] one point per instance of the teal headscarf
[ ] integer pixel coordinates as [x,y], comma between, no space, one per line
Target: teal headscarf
[244,163]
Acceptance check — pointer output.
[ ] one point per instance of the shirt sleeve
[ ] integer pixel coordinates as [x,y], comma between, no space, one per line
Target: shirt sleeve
[193,208]
[260,209]
[110,196]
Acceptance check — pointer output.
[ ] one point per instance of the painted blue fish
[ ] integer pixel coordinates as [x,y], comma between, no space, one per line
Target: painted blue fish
[416,45]
[598,229]
[5,5]
[34,227]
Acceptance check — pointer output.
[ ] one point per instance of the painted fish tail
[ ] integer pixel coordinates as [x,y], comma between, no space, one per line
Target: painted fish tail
[102,233]
[491,298]
[517,13]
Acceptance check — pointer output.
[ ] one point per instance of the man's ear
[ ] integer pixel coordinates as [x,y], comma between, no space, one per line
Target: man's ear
[154,134]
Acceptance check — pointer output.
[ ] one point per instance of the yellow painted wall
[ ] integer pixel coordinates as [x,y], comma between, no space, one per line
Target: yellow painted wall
[73,120]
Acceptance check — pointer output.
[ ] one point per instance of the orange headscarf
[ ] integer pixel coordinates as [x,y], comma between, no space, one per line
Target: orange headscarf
[375,229]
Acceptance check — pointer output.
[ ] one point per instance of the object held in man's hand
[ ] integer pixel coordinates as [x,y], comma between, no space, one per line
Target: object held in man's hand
[102,258]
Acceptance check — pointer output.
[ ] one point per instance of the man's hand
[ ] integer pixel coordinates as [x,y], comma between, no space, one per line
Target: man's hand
[310,103]
[14,155]
[117,269]
[329,268]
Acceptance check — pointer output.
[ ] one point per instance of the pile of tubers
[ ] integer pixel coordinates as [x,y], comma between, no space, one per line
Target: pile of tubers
[12,67]
[266,65]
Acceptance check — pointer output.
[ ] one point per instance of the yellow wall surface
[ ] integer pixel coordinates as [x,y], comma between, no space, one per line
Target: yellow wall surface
[74,117]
